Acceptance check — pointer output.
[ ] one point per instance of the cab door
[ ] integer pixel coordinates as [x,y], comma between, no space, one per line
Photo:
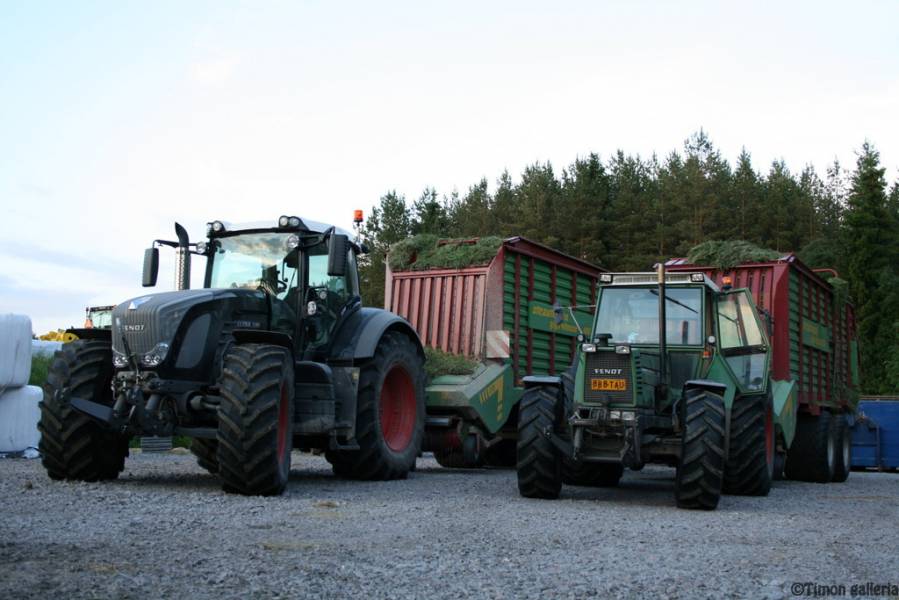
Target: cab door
[742,341]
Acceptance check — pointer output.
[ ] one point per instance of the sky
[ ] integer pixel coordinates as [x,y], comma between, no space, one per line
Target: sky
[119,118]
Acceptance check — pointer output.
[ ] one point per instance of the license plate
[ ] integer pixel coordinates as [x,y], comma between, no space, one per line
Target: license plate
[608,385]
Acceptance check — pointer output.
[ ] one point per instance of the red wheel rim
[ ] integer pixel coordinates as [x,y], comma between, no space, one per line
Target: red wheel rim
[769,437]
[283,416]
[397,408]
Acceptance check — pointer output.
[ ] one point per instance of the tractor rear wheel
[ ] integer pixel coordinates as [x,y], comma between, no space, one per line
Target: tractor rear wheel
[700,468]
[812,456]
[390,413]
[750,460]
[73,445]
[206,452]
[591,474]
[255,430]
[843,456]
[539,463]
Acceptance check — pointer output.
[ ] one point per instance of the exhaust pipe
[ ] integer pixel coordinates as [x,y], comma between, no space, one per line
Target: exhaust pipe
[182,258]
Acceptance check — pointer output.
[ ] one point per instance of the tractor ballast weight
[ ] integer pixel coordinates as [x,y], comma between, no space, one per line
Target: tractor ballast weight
[274,352]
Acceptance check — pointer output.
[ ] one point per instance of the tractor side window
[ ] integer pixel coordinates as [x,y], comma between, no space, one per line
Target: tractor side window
[329,294]
[741,340]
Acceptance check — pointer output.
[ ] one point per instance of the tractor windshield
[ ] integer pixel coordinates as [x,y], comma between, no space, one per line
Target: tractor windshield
[254,261]
[631,315]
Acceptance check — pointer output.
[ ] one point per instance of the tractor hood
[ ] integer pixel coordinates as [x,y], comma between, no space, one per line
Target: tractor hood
[157,327]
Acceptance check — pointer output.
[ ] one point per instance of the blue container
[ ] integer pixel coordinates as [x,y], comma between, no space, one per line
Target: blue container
[875,436]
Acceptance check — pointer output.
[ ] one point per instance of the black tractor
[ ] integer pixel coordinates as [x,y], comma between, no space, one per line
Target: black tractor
[276,352]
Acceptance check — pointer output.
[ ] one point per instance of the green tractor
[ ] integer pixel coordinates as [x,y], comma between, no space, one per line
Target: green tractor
[275,352]
[676,372]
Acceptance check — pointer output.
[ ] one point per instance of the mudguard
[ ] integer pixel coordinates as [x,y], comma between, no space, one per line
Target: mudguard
[359,334]
[784,396]
[530,381]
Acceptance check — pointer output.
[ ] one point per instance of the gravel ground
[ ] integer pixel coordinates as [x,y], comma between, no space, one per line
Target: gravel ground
[165,529]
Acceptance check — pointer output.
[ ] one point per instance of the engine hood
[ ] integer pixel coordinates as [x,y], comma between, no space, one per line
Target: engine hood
[146,321]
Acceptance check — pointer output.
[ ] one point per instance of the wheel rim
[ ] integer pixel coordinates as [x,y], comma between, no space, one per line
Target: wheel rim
[283,416]
[397,409]
[769,438]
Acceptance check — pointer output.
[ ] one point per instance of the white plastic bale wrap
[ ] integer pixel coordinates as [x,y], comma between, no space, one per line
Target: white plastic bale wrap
[19,414]
[15,351]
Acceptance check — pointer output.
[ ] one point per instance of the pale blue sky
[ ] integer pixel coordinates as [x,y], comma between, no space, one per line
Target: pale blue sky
[117,118]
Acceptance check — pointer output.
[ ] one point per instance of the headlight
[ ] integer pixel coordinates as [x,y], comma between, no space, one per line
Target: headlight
[202,247]
[697,277]
[294,221]
[615,415]
[293,241]
[588,347]
[628,416]
[218,226]
[622,349]
[118,360]
[605,278]
[154,357]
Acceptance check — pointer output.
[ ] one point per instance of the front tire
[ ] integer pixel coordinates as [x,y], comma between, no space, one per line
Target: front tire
[255,430]
[390,413]
[700,468]
[72,445]
[750,460]
[539,464]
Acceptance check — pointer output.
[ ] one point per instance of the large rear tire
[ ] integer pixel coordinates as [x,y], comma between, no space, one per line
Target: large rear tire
[539,463]
[751,454]
[73,445]
[390,413]
[591,474]
[255,430]
[812,456]
[843,456]
[700,468]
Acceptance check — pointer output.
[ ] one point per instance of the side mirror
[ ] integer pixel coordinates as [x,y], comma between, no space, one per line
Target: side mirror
[151,266]
[338,246]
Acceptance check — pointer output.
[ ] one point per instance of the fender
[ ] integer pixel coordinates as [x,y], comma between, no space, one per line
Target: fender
[358,335]
[530,381]
[258,336]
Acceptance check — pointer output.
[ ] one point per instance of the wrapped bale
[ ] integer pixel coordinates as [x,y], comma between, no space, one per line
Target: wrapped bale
[15,351]
[19,414]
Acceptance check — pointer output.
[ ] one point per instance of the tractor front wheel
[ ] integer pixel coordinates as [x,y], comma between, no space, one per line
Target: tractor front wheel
[539,463]
[73,445]
[700,468]
[750,460]
[255,430]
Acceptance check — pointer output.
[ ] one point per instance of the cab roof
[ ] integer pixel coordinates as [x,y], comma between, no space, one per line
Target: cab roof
[651,277]
[310,225]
